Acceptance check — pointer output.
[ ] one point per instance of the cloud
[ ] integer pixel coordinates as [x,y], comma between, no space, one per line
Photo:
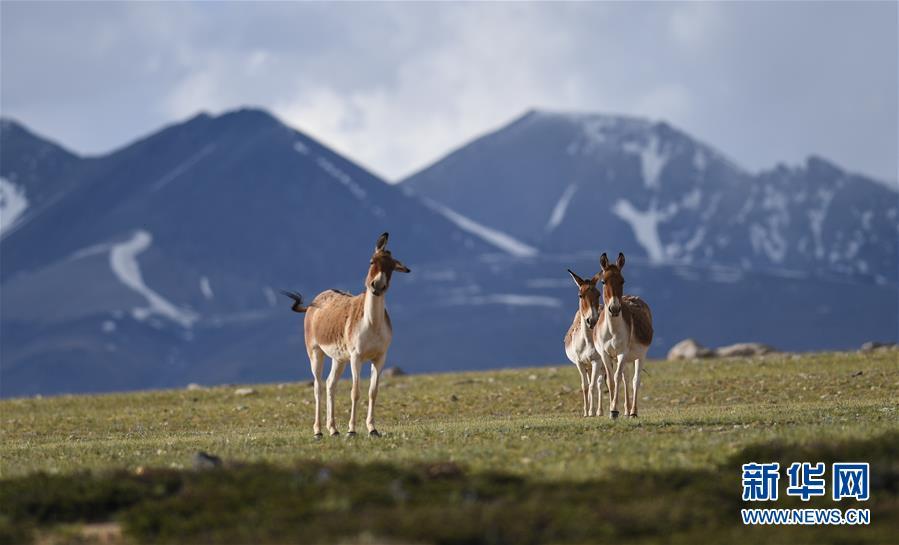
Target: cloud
[396,85]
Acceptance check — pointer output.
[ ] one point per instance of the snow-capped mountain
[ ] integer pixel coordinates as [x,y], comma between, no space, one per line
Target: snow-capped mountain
[158,264]
[570,182]
[193,227]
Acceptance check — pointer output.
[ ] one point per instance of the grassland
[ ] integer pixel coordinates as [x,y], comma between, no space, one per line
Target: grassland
[515,461]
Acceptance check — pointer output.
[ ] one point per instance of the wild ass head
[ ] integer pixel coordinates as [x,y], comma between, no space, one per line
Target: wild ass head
[589,298]
[381,268]
[613,282]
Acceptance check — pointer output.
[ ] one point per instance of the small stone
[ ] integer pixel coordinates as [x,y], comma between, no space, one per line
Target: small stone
[203,460]
[393,372]
[454,397]
[532,377]
[194,386]
[243,392]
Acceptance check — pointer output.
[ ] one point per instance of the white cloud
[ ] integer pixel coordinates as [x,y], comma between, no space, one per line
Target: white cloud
[396,85]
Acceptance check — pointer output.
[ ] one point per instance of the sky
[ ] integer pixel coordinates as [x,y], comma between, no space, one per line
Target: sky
[395,86]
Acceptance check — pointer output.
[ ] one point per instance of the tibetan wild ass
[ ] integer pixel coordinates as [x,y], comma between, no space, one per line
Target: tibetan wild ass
[352,329]
[624,332]
[579,344]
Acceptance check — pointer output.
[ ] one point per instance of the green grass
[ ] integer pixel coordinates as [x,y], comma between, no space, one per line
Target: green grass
[520,451]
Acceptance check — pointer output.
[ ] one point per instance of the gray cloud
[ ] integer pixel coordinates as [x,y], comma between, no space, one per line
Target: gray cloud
[397,85]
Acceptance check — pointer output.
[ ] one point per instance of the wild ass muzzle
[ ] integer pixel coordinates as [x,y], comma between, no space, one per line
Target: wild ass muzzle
[579,344]
[624,332]
[350,329]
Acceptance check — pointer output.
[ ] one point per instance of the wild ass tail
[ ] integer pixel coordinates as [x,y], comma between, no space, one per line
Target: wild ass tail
[297,301]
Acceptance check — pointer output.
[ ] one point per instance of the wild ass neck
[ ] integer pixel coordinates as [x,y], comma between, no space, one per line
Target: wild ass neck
[617,326]
[373,312]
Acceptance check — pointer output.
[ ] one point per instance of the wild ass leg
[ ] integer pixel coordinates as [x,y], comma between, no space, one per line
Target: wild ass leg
[376,365]
[636,386]
[337,368]
[628,399]
[607,371]
[596,380]
[317,362]
[587,399]
[356,368]
[619,377]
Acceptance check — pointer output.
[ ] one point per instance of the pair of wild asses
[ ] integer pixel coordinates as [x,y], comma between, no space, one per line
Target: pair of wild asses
[356,328]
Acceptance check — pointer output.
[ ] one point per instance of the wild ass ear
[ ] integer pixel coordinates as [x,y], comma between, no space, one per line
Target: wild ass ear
[596,278]
[398,266]
[620,261]
[382,242]
[604,261]
[577,279]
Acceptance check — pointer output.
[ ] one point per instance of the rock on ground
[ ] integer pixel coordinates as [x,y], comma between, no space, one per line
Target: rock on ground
[873,346]
[743,350]
[689,349]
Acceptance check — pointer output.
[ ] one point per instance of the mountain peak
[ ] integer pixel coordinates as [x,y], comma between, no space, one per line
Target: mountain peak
[581,117]
[14,133]
[248,114]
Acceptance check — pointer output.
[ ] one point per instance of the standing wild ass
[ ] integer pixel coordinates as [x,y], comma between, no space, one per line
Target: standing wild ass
[352,329]
[624,331]
[579,344]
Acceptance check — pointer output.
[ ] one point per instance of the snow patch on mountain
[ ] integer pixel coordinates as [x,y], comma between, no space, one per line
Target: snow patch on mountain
[511,299]
[123,262]
[592,136]
[816,219]
[270,296]
[558,213]
[206,288]
[684,251]
[645,225]
[341,177]
[13,204]
[499,239]
[692,200]
[301,148]
[183,167]
[699,160]
[652,159]
[768,240]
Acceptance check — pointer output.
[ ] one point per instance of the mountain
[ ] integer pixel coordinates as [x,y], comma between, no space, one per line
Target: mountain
[128,257]
[571,182]
[157,265]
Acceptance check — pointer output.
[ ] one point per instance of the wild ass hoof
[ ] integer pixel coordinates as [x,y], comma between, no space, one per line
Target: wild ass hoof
[335,433]
[374,433]
[632,415]
[613,414]
[318,436]
[350,434]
